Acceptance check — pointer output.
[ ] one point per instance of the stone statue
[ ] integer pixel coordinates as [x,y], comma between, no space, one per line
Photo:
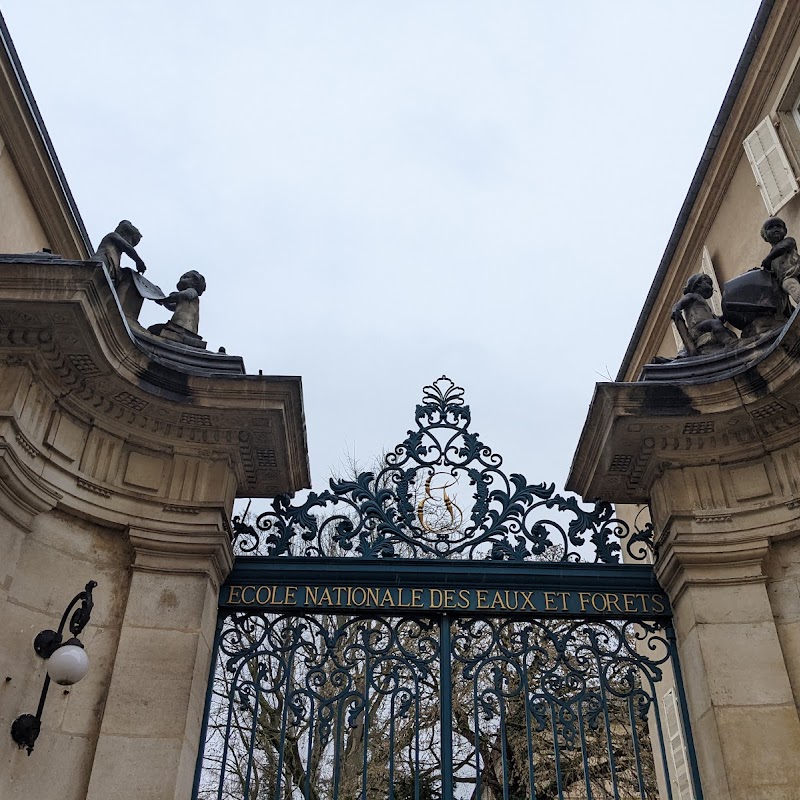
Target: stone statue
[701,331]
[782,260]
[123,240]
[185,305]
[757,301]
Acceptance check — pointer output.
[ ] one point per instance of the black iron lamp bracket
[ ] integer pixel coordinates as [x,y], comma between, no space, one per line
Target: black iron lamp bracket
[26,728]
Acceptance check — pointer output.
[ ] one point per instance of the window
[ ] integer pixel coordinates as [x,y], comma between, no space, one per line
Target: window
[771,167]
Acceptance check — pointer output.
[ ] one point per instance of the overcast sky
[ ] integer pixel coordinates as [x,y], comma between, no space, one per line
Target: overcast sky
[381,192]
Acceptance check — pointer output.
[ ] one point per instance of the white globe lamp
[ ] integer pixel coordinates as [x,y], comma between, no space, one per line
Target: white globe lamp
[68,664]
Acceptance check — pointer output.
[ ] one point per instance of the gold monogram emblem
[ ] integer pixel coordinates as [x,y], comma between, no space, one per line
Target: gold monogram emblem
[436,511]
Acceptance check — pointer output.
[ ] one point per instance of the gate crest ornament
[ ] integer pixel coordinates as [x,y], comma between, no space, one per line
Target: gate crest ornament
[441,494]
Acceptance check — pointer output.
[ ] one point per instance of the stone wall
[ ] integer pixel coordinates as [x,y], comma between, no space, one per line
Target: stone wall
[21,231]
[120,460]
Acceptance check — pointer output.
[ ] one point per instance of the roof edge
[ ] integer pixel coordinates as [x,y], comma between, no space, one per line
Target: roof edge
[7,44]
[742,67]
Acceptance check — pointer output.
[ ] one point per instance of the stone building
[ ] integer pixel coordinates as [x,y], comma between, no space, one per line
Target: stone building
[121,454]
[709,446]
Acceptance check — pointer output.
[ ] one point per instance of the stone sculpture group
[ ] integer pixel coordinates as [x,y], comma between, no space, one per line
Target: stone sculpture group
[184,303]
[756,302]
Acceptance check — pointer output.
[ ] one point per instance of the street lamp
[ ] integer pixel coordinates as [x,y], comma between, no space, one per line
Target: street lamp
[67,663]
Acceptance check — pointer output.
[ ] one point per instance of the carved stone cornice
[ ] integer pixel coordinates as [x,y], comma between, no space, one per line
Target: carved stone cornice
[111,418]
[23,494]
[745,426]
[708,558]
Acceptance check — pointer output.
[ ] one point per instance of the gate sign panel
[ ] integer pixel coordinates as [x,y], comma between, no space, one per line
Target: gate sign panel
[438,629]
[539,589]
[465,600]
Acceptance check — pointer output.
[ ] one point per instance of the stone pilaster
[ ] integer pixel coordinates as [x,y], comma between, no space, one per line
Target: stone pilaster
[151,724]
[737,680]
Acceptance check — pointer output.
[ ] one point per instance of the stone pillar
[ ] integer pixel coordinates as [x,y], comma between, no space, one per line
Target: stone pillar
[152,720]
[738,687]
[717,459]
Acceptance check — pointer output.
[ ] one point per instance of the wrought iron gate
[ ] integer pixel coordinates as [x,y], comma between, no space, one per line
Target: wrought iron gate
[421,632]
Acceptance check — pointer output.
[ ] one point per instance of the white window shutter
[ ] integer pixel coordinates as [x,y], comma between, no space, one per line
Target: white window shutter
[680,779]
[770,166]
[707,267]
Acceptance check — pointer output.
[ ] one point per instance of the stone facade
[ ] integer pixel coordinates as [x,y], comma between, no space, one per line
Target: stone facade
[118,464]
[719,465]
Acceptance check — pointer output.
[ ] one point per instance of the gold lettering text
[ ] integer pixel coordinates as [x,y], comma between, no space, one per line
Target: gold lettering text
[387,599]
[603,604]
[613,600]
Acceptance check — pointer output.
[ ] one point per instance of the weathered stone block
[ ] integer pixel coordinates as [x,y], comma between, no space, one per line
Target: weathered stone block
[755,742]
[168,601]
[144,471]
[744,665]
[126,767]
[149,693]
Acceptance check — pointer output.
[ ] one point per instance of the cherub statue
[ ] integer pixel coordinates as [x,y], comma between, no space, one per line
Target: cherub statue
[700,329]
[122,240]
[185,303]
[783,260]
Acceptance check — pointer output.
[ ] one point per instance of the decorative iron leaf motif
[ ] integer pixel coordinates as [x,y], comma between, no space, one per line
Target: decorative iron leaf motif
[441,493]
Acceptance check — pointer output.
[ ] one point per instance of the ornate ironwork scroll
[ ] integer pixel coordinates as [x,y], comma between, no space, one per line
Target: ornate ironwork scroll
[442,494]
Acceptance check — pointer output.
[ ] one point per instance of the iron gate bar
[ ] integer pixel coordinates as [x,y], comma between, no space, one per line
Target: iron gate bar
[446,700]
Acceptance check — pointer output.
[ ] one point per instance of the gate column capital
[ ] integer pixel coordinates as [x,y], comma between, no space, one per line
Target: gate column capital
[203,550]
[688,559]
